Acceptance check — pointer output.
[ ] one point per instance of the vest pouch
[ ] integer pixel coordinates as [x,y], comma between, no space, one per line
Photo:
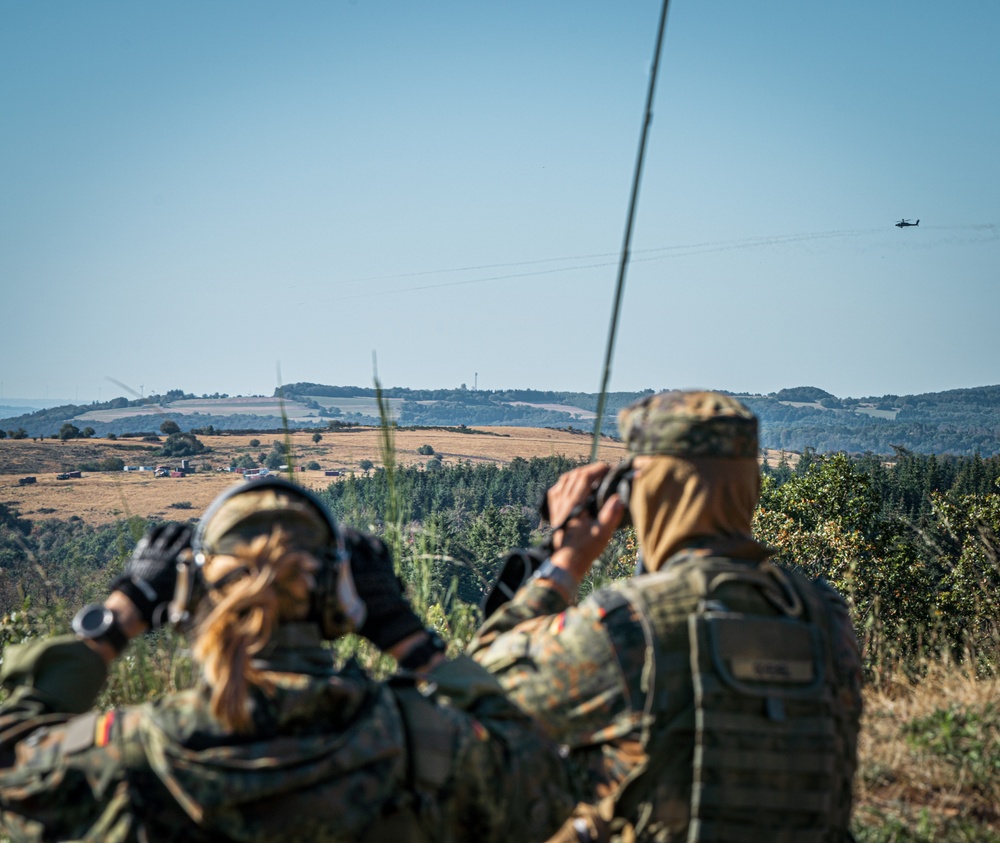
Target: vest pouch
[765,734]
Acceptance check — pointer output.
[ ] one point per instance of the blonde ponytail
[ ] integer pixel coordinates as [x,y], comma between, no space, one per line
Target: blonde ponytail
[271,582]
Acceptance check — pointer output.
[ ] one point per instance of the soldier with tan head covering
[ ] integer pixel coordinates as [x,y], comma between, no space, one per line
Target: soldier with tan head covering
[277,741]
[714,696]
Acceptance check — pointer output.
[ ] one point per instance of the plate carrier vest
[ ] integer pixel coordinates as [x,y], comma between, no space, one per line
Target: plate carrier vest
[743,739]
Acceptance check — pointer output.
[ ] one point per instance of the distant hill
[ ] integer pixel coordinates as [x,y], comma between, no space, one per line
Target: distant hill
[958,421]
[805,394]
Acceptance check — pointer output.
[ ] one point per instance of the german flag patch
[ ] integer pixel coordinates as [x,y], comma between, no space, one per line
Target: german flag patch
[102,729]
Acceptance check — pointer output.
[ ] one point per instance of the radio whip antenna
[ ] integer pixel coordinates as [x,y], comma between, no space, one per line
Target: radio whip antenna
[623,263]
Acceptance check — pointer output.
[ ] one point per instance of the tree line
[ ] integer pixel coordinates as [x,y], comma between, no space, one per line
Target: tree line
[913,542]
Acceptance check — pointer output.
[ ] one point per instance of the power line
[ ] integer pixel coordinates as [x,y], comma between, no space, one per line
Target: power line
[651,254]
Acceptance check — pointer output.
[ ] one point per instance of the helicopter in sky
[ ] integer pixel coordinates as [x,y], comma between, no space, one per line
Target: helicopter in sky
[905,223]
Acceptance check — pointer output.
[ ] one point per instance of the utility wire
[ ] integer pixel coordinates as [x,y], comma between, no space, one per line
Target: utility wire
[623,264]
[683,250]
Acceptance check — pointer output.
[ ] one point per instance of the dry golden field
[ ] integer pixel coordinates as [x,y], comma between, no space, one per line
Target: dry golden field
[101,497]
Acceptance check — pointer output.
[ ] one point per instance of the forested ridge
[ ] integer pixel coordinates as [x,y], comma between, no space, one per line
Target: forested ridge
[960,421]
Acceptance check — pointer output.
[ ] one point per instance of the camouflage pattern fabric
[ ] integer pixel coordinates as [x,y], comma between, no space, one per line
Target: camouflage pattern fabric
[625,705]
[689,424]
[334,756]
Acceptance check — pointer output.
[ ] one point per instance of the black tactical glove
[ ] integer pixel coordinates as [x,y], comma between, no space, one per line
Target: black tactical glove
[151,574]
[389,618]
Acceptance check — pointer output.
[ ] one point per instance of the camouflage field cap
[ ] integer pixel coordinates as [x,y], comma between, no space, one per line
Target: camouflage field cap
[689,424]
[256,510]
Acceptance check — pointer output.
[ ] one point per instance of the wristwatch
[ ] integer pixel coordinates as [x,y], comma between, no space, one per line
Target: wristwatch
[560,576]
[96,622]
[423,652]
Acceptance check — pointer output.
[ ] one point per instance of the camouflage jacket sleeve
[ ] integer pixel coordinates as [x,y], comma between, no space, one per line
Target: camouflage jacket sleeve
[51,787]
[508,780]
[59,675]
[561,664]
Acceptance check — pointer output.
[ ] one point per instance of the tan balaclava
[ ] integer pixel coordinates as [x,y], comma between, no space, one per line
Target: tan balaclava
[697,482]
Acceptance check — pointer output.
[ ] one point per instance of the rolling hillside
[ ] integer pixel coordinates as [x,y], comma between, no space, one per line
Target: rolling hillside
[960,421]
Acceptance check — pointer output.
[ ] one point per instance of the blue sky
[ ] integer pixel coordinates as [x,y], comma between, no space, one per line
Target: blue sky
[197,196]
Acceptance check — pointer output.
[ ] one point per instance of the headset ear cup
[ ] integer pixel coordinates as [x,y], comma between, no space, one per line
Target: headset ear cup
[336,606]
[188,592]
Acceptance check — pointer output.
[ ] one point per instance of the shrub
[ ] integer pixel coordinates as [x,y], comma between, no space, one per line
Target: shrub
[107,464]
[181,445]
[278,457]
[243,461]
[69,431]
[425,450]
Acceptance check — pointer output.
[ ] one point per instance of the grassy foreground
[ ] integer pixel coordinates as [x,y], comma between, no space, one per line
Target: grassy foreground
[930,759]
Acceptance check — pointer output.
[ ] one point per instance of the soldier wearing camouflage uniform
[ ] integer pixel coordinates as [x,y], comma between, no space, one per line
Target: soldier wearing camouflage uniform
[713,696]
[276,743]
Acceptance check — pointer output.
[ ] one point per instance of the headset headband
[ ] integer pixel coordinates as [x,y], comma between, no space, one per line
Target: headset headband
[278,484]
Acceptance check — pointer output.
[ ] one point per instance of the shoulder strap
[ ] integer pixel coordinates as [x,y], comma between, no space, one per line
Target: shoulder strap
[626,800]
[431,737]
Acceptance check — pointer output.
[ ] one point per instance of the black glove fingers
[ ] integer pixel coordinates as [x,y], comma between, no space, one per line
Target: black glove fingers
[151,573]
[389,617]
[177,540]
[163,536]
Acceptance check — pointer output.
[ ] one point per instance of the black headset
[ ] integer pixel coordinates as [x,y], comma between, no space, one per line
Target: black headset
[326,607]
[277,483]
